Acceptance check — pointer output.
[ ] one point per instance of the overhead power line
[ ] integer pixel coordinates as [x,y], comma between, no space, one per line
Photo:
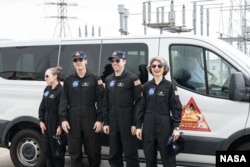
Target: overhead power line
[62,18]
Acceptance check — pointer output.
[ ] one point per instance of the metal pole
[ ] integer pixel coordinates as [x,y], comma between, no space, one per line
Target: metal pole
[93,31]
[149,12]
[144,17]
[157,15]
[126,22]
[79,32]
[162,14]
[183,15]
[121,12]
[201,20]
[86,30]
[194,17]
[208,22]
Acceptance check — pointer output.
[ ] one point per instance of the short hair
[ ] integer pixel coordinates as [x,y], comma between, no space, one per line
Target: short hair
[162,61]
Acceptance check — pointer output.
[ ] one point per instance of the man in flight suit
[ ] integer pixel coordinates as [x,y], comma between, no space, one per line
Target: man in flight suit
[122,92]
[81,119]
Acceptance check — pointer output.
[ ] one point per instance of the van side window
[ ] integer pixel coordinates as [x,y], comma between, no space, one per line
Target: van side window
[27,63]
[1,62]
[136,55]
[91,50]
[200,70]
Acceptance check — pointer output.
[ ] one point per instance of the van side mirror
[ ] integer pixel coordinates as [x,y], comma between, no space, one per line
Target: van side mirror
[237,89]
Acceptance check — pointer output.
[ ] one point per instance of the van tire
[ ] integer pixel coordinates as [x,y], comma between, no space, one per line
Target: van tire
[26,149]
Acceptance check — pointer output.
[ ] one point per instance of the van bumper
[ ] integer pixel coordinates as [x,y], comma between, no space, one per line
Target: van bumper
[3,124]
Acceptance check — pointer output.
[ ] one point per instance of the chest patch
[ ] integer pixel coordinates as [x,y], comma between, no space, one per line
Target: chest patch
[52,96]
[112,83]
[151,91]
[120,84]
[160,93]
[75,84]
[84,84]
[46,93]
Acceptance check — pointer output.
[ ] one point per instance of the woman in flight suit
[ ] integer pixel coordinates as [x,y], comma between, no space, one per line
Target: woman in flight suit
[160,115]
[48,116]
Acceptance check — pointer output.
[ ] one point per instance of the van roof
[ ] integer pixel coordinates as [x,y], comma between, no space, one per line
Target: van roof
[58,41]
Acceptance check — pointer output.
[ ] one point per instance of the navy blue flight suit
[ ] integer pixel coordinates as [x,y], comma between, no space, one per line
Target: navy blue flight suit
[120,98]
[80,105]
[160,113]
[48,113]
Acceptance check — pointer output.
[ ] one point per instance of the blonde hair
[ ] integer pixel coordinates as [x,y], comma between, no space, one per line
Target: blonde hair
[162,61]
[56,71]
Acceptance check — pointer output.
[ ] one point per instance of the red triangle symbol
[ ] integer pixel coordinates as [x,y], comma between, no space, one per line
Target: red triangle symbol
[192,118]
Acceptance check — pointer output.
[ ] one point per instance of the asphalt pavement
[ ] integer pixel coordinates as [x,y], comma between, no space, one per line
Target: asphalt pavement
[5,160]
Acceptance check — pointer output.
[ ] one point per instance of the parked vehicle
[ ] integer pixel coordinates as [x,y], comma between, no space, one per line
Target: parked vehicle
[214,117]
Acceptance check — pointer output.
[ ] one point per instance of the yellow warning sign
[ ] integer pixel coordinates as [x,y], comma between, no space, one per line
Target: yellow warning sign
[192,118]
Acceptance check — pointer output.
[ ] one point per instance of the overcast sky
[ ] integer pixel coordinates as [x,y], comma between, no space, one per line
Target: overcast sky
[25,19]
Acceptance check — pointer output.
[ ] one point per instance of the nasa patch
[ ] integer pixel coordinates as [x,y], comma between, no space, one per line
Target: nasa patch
[112,83]
[151,91]
[46,93]
[75,84]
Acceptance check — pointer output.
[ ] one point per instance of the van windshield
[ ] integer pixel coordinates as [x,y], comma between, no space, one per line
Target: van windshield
[239,56]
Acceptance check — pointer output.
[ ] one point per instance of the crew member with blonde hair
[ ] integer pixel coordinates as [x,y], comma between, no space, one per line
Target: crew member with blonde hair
[49,116]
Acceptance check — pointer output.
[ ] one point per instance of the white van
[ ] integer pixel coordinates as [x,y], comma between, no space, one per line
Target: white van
[215,115]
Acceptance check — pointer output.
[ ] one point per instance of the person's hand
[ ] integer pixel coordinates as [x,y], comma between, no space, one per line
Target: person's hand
[58,131]
[43,127]
[176,134]
[65,126]
[106,129]
[139,134]
[97,126]
[133,130]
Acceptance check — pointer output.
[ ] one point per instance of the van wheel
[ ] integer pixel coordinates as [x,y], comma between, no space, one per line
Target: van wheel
[26,149]
[244,147]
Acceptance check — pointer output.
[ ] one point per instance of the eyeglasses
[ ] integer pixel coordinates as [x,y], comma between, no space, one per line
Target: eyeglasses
[46,76]
[115,60]
[154,66]
[78,59]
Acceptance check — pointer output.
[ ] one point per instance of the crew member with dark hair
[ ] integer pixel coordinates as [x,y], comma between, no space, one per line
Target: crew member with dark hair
[122,92]
[80,112]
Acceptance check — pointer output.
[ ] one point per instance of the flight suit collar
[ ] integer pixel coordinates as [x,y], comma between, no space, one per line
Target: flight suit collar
[121,76]
[153,81]
[87,74]
[57,86]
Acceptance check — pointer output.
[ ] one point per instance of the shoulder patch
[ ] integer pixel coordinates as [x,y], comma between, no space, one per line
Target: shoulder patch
[176,93]
[99,82]
[137,82]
